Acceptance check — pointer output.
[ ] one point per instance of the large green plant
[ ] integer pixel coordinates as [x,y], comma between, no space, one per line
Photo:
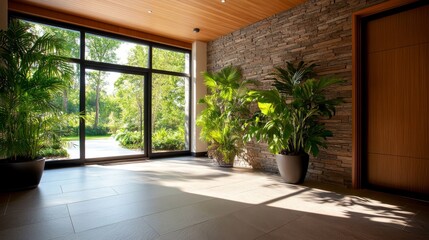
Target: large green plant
[31,75]
[289,116]
[226,109]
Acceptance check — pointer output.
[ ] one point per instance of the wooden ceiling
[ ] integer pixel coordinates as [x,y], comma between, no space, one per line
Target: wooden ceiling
[173,19]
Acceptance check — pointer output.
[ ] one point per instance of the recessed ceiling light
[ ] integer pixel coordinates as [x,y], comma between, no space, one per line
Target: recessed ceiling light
[222,1]
[149,11]
[196,30]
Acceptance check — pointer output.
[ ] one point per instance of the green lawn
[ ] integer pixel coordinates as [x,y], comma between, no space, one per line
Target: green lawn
[75,138]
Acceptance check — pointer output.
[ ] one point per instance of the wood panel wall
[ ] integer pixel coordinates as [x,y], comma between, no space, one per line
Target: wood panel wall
[397,85]
[93,24]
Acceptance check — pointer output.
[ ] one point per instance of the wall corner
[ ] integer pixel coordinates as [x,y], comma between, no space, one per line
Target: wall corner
[199,90]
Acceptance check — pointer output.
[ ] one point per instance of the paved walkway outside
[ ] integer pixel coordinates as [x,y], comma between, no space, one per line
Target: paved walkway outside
[189,198]
[96,148]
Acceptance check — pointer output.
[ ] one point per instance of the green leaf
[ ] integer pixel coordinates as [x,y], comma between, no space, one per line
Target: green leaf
[266,108]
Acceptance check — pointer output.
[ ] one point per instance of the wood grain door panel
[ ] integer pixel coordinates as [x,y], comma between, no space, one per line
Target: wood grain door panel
[397,92]
[398,172]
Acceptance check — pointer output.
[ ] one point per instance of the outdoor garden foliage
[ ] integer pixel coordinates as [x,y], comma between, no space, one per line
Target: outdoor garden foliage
[117,109]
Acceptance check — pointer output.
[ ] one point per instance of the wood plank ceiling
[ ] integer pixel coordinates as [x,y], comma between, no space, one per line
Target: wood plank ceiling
[174,19]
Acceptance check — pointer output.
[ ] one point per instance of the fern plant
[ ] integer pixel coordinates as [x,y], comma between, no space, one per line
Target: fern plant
[289,114]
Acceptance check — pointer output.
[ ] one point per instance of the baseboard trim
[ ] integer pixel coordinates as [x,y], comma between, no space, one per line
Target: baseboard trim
[199,154]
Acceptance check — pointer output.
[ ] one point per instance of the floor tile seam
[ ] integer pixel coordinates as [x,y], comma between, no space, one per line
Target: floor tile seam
[74,191]
[63,236]
[7,204]
[228,213]
[415,209]
[226,194]
[289,222]
[167,174]
[411,220]
[157,233]
[86,189]
[223,184]
[202,163]
[131,203]
[211,187]
[117,194]
[109,224]
[71,220]
[402,227]
[96,187]
[25,210]
[72,202]
[83,189]
[57,180]
[41,186]
[36,222]
[123,221]
[114,190]
[194,224]
[211,219]
[394,217]
[79,173]
[149,181]
[364,237]
[249,190]
[235,193]
[114,223]
[52,194]
[152,227]
[166,210]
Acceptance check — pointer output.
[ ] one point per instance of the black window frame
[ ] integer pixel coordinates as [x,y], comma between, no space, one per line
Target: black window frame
[146,72]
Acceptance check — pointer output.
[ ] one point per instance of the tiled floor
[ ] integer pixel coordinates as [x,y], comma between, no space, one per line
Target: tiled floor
[189,198]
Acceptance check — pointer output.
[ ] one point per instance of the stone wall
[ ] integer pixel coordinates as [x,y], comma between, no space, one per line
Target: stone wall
[316,31]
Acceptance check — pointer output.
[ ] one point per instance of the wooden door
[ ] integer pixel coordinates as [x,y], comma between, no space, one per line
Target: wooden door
[397,100]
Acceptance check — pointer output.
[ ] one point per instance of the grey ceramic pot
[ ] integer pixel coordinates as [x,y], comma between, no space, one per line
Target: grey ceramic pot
[292,168]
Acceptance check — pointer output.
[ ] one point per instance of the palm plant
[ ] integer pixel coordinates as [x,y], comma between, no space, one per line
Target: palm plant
[226,109]
[31,75]
[289,115]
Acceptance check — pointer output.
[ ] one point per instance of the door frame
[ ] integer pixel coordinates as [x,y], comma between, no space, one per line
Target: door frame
[358,138]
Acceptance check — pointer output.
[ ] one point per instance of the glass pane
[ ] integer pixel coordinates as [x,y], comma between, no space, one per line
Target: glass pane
[64,144]
[170,60]
[109,50]
[170,113]
[71,47]
[114,114]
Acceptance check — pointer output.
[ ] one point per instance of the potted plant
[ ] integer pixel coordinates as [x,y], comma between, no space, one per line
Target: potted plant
[31,75]
[223,118]
[289,116]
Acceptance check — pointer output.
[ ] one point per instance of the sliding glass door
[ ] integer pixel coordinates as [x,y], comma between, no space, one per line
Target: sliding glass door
[114,122]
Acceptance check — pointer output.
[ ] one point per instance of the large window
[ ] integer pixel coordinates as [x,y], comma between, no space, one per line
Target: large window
[169,113]
[71,38]
[110,50]
[170,60]
[134,94]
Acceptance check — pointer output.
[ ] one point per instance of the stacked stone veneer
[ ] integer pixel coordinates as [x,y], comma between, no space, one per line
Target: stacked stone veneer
[315,31]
